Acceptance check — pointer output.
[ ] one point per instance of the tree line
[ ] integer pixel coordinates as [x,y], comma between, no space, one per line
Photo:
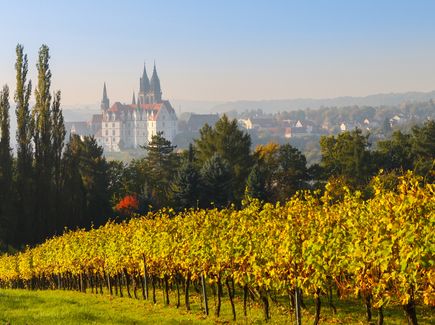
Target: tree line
[52,183]
[48,184]
[220,169]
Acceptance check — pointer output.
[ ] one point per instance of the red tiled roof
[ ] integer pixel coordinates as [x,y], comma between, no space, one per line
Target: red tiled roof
[120,107]
[116,107]
[147,106]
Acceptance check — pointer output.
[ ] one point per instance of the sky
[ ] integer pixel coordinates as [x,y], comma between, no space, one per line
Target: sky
[224,50]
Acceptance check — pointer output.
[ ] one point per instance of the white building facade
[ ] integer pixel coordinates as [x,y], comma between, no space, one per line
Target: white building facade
[129,126]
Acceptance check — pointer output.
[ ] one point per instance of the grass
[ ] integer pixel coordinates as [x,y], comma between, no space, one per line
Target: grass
[67,307]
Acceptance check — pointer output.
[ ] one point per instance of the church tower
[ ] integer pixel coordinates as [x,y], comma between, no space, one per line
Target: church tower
[155,93]
[105,103]
[144,87]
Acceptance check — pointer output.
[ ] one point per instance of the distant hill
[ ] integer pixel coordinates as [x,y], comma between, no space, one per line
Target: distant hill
[271,106]
[195,106]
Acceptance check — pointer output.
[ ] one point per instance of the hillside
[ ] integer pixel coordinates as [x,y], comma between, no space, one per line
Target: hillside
[271,106]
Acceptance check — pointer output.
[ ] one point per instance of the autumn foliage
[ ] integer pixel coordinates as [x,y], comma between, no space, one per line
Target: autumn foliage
[128,205]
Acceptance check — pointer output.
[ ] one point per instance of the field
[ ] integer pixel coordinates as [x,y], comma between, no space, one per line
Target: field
[69,307]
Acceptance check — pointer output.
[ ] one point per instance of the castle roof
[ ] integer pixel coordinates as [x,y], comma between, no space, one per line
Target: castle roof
[153,109]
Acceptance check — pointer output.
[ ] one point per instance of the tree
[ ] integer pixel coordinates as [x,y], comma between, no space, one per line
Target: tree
[395,152]
[292,172]
[44,208]
[24,202]
[186,187]
[216,182]
[423,149]
[161,162]
[347,155]
[267,157]
[284,168]
[128,205]
[58,141]
[86,195]
[73,190]
[118,181]
[233,145]
[256,184]
[95,177]
[386,127]
[58,137]
[6,226]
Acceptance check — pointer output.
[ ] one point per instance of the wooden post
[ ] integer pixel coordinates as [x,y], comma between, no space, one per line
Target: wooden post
[204,294]
[298,306]
[145,275]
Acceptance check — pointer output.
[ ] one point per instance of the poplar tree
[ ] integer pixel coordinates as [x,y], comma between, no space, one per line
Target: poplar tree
[24,170]
[58,142]
[5,167]
[43,148]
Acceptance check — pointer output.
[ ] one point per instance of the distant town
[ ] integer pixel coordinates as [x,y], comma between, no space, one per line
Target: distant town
[125,128]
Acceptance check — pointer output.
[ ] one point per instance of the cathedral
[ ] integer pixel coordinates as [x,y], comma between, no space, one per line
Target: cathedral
[128,126]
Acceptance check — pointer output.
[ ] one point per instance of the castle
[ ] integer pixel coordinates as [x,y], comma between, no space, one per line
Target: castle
[128,126]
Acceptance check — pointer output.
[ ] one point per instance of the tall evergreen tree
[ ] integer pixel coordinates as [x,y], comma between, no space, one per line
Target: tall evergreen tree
[85,194]
[161,163]
[73,195]
[58,141]
[216,182]
[94,171]
[43,223]
[186,187]
[6,220]
[256,184]
[233,145]
[24,201]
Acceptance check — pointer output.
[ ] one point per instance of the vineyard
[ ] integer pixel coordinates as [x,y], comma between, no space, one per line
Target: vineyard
[379,250]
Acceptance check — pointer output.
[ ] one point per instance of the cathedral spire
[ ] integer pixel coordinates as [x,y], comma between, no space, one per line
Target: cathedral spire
[155,86]
[104,91]
[144,80]
[105,103]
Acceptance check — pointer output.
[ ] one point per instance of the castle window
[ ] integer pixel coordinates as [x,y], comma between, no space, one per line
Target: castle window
[113,132]
[107,132]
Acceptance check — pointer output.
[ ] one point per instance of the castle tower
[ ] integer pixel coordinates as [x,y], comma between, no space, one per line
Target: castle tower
[105,103]
[144,87]
[133,101]
[155,93]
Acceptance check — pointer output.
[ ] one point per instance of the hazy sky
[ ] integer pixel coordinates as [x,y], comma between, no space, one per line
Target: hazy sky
[225,50]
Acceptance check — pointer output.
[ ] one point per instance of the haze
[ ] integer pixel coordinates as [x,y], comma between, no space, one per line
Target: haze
[225,50]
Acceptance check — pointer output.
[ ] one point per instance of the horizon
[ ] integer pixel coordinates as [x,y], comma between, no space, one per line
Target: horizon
[222,52]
